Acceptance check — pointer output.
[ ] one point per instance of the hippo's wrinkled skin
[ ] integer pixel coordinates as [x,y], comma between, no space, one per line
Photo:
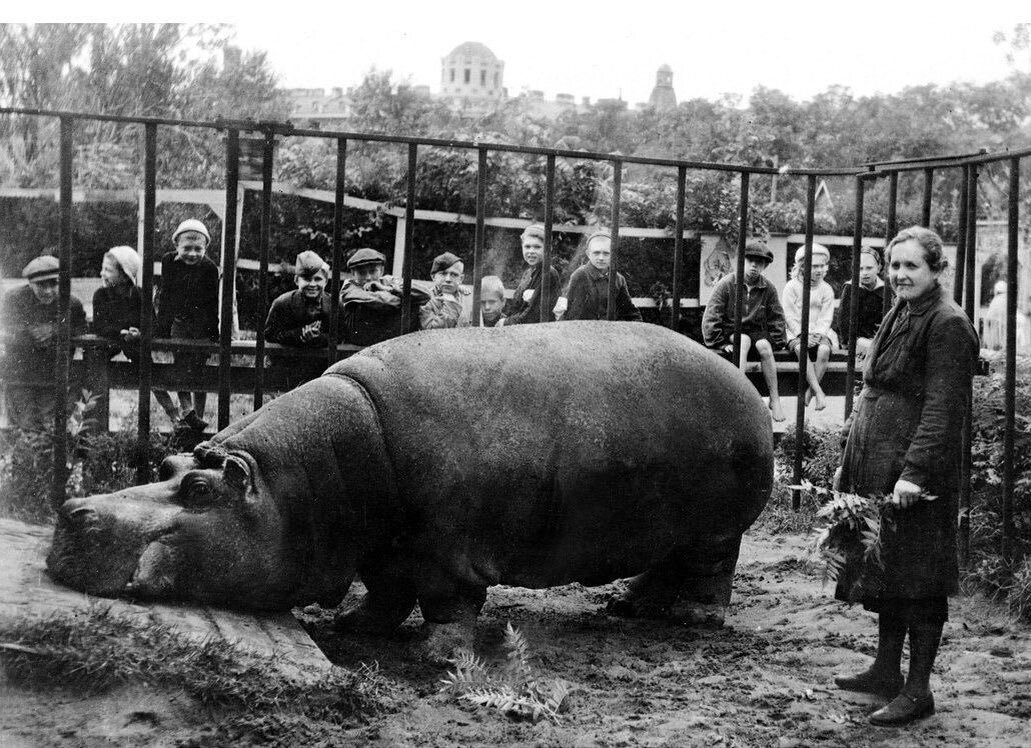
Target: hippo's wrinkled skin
[440,463]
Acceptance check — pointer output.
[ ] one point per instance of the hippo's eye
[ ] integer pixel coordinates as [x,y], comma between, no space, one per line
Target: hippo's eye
[195,490]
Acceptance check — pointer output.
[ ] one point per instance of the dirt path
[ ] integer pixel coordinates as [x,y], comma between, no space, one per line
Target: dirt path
[764,679]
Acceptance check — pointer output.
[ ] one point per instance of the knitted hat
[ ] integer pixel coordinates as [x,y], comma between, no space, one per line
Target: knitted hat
[308,263]
[758,250]
[534,229]
[191,224]
[818,249]
[41,268]
[366,256]
[491,286]
[600,233]
[128,259]
[443,262]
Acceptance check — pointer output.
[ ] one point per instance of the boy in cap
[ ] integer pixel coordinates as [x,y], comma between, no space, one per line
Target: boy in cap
[300,318]
[587,296]
[821,317]
[31,320]
[444,308]
[187,307]
[762,321]
[524,306]
[370,302]
[492,299]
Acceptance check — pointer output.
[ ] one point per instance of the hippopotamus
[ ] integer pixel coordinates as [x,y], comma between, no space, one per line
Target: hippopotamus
[443,462]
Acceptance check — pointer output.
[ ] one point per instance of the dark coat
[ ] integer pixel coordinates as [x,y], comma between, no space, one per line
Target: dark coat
[588,296]
[291,312]
[763,315]
[28,360]
[519,311]
[117,308]
[871,312]
[372,313]
[188,299]
[908,424]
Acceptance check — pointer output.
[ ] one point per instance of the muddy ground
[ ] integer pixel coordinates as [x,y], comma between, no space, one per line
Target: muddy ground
[763,679]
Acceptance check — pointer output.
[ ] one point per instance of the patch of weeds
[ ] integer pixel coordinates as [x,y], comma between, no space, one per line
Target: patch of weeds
[95,651]
[511,689]
[778,518]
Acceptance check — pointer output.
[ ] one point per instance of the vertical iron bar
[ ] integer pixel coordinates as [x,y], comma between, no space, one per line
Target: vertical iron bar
[678,248]
[479,239]
[64,333]
[1009,438]
[146,303]
[971,256]
[969,259]
[739,285]
[263,250]
[803,347]
[853,307]
[225,327]
[961,237]
[891,229]
[338,253]
[925,212]
[406,289]
[549,218]
[617,188]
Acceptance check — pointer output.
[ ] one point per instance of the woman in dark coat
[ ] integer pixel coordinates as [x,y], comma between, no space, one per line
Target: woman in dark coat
[905,441]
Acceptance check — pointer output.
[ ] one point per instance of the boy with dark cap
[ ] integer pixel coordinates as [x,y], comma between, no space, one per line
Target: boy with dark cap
[31,322]
[587,296]
[762,322]
[187,307]
[300,318]
[370,302]
[444,308]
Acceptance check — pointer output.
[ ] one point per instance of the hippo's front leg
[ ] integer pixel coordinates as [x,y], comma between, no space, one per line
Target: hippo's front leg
[389,599]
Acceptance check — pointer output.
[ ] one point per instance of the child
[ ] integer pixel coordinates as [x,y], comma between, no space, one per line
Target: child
[762,322]
[587,296]
[116,304]
[187,307]
[370,302]
[300,318]
[525,305]
[444,308]
[871,303]
[492,299]
[31,319]
[821,315]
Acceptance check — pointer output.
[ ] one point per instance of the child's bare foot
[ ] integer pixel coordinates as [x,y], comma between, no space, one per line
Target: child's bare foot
[808,396]
[776,411]
[819,402]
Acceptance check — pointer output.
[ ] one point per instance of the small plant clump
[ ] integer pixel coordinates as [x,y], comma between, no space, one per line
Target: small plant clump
[511,689]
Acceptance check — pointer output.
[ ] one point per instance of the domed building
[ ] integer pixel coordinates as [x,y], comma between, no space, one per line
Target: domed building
[663,96]
[472,73]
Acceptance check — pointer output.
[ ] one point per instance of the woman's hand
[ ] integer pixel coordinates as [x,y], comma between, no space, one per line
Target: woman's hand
[906,494]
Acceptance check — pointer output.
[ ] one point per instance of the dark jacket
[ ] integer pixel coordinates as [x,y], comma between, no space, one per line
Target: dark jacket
[763,313]
[908,424]
[290,312]
[871,312]
[588,296]
[117,308]
[187,299]
[518,311]
[27,359]
[371,313]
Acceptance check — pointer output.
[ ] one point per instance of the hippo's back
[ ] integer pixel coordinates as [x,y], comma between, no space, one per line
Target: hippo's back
[551,439]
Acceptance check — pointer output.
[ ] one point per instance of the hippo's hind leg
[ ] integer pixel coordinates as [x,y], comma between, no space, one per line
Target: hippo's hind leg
[449,607]
[689,586]
[389,599]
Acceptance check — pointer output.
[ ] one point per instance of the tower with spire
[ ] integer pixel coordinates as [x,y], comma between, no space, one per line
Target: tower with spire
[663,96]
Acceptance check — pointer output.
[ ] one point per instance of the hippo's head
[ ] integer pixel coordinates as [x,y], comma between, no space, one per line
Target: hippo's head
[208,530]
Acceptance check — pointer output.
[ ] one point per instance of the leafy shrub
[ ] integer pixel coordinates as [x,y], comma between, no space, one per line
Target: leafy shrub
[821,455]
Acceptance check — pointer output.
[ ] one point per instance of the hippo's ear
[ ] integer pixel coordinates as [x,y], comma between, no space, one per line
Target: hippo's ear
[237,472]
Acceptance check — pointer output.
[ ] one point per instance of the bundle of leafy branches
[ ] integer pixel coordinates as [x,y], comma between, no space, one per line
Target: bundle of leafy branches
[510,689]
[96,651]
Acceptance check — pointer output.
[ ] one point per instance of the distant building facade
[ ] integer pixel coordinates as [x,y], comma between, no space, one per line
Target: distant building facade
[663,96]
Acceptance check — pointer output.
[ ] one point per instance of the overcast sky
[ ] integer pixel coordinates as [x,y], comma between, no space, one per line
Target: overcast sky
[605,49]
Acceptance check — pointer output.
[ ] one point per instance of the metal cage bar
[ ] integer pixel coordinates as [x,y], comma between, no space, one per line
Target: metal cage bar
[146,303]
[62,361]
[338,252]
[853,306]
[739,281]
[617,196]
[803,338]
[678,247]
[928,193]
[409,267]
[1010,392]
[890,230]
[225,324]
[479,238]
[544,312]
[961,237]
[268,149]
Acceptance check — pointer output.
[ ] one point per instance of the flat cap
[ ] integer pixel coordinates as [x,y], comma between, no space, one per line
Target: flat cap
[759,250]
[191,224]
[366,256]
[308,263]
[41,268]
[443,262]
